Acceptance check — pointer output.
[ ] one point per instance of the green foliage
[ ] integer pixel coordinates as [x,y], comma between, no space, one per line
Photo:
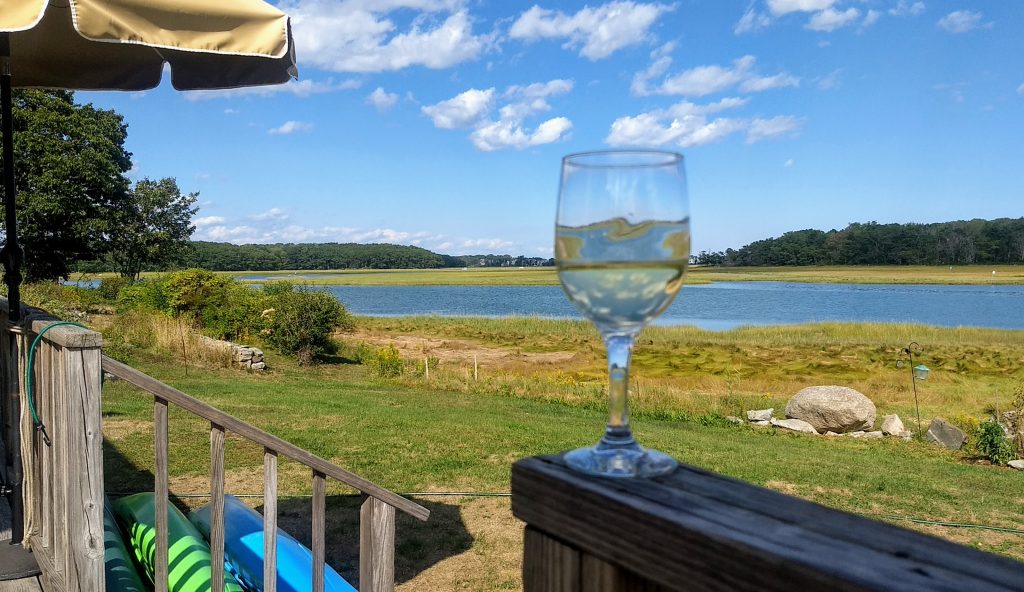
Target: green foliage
[993,444]
[71,165]
[151,230]
[300,321]
[144,295]
[387,363]
[110,288]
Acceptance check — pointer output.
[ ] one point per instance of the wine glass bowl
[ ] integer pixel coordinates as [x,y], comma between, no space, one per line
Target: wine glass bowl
[622,245]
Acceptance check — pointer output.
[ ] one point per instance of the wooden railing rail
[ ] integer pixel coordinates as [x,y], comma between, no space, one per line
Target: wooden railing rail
[62,474]
[377,515]
[695,530]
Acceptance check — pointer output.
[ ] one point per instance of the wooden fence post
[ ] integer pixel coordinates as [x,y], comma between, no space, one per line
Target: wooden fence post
[376,546]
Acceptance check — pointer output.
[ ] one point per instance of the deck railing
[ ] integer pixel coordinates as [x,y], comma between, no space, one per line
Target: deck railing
[63,466]
[695,530]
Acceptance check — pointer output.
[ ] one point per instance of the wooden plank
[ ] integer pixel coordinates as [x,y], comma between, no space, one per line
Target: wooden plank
[23,585]
[319,527]
[597,575]
[376,546]
[269,520]
[85,470]
[216,508]
[697,530]
[549,565]
[160,492]
[46,507]
[62,507]
[49,578]
[65,335]
[237,426]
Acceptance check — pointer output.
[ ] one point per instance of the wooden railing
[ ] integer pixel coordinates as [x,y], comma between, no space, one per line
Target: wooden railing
[377,514]
[695,530]
[62,468]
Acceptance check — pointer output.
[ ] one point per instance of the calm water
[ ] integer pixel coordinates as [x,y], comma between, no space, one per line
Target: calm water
[717,306]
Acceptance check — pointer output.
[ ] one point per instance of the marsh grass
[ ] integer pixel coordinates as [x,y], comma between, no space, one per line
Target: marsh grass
[178,338]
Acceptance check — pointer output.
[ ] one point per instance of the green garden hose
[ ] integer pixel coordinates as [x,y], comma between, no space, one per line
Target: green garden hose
[36,422]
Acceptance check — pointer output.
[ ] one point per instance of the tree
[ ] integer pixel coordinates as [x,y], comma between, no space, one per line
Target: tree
[152,229]
[70,165]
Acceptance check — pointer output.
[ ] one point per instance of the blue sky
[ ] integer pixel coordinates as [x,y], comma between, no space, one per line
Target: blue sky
[441,123]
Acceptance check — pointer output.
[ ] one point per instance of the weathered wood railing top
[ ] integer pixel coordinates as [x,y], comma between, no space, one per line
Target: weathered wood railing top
[695,530]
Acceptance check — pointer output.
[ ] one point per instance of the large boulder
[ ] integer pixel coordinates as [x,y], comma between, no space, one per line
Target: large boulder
[832,408]
[942,432]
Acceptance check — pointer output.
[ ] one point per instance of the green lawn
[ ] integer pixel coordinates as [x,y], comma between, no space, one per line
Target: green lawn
[413,436]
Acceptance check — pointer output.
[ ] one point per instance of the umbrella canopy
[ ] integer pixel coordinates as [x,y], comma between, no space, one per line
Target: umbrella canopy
[123,44]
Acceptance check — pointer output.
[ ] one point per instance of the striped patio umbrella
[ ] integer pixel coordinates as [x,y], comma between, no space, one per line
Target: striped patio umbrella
[124,45]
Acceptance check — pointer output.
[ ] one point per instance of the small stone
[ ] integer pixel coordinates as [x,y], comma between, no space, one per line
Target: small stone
[892,425]
[873,435]
[108,377]
[857,434]
[906,435]
[942,432]
[1016,464]
[761,423]
[259,366]
[831,433]
[734,419]
[760,415]
[795,425]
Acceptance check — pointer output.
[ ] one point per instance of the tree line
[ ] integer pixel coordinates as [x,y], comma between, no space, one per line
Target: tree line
[963,242]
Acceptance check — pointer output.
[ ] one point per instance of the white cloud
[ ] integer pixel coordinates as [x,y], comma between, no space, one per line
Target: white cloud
[208,221]
[776,127]
[905,8]
[473,107]
[462,110]
[290,127]
[781,7]
[359,36]
[751,21]
[962,21]
[831,81]
[1020,90]
[705,80]
[789,163]
[485,243]
[276,214]
[382,100]
[686,124]
[870,18]
[762,83]
[597,32]
[298,88]
[506,133]
[230,111]
[829,20]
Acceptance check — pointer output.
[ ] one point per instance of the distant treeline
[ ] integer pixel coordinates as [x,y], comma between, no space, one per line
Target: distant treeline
[945,243]
[277,257]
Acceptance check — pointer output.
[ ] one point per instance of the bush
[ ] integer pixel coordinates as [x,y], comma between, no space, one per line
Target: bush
[110,288]
[300,322]
[993,443]
[387,363]
[145,295]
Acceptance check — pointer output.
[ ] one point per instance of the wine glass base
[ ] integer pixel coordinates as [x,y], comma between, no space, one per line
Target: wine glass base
[620,461]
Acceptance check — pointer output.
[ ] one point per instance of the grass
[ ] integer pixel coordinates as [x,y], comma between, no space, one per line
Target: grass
[453,433]
[545,276]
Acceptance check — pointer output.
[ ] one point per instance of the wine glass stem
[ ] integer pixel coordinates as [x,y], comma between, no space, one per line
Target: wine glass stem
[620,349]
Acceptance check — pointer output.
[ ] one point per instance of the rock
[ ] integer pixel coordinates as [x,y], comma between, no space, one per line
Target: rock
[942,432]
[857,434]
[108,377]
[836,408]
[760,415]
[831,433]
[734,419]
[761,422]
[891,425]
[1016,464]
[796,425]
[905,435]
[873,435]
[259,366]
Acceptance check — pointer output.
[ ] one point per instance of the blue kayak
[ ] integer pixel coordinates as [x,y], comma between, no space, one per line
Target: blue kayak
[243,550]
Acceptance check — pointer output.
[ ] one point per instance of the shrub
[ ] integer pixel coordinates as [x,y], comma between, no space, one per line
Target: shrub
[300,322]
[387,363]
[110,288]
[993,443]
[194,291]
[145,295]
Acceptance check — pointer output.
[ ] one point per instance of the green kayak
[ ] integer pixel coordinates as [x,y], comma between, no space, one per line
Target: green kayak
[188,554]
[118,563]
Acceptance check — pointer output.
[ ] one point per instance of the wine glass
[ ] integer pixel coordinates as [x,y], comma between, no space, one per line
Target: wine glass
[622,244]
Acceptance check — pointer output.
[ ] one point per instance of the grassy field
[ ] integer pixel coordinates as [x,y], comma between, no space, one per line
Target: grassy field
[537,390]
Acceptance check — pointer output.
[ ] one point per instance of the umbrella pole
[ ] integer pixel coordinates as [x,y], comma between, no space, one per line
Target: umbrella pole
[11,256]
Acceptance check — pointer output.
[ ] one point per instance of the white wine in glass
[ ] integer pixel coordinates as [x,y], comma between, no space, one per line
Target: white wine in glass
[622,244]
